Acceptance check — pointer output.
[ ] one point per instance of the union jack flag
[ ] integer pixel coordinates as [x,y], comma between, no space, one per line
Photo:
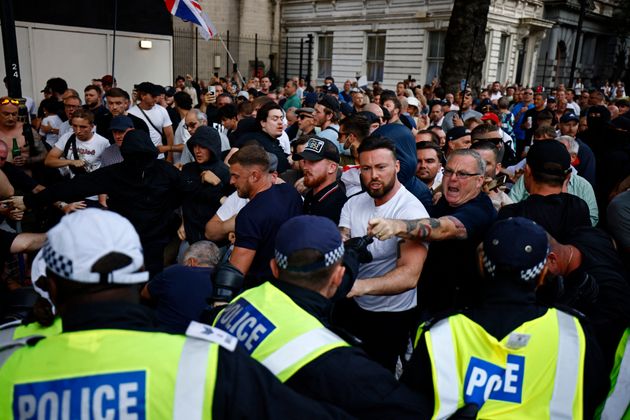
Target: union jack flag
[190,10]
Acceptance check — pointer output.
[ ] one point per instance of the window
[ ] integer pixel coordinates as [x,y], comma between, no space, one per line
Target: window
[435,56]
[501,64]
[324,56]
[375,57]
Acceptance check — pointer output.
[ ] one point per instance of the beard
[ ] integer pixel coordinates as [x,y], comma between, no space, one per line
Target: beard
[383,190]
[312,181]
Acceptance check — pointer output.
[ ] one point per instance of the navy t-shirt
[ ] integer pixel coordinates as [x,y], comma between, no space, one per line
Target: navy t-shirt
[181,293]
[257,225]
[450,278]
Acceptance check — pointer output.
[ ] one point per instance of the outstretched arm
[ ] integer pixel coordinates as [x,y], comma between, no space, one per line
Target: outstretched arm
[431,229]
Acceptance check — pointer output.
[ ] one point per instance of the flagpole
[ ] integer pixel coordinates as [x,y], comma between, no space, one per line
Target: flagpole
[231,58]
[114,40]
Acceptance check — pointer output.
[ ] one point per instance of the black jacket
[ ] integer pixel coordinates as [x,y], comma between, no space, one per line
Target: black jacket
[267,142]
[201,200]
[142,188]
[347,378]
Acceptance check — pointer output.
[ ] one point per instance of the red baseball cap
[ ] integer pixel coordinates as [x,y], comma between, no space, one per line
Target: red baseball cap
[491,116]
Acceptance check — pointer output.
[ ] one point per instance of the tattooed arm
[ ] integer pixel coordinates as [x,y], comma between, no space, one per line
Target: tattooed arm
[431,229]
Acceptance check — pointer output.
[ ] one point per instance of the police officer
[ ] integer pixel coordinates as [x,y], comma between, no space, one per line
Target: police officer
[508,357]
[108,362]
[617,404]
[284,324]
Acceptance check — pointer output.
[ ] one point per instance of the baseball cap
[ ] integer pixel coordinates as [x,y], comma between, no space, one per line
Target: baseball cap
[170,91]
[570,116]
[491,116]
[243,94]
[305,110]
[330,102]
[107,80]
[370,116]
[411,101]
[549,157]
[82,238]
[308,232]
[318,148]
[310,99]
[456,133]
[332,89]
[356,90]
[147,87]
[516,247]
[121,123]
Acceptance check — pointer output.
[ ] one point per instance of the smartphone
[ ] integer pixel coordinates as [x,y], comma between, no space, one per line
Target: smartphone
[212,90]
[497,182]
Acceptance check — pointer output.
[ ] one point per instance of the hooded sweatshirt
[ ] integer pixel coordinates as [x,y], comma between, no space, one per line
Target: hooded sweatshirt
[142,188]
[201,200]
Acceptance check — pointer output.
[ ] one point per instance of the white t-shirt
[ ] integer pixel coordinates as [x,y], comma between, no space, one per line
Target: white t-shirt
[181,137]
[159,117]
[231,206]
[55,122]
[355,215]
[351,178]
[65,128]
[89,151]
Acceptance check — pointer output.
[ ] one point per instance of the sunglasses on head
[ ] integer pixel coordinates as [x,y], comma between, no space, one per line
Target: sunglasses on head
[10,100]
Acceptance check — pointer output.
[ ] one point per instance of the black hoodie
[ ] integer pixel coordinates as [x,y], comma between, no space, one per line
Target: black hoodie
[201,200]
[142,188]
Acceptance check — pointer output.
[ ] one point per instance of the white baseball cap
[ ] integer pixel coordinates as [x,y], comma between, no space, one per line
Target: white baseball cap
[411,101]
[83,237]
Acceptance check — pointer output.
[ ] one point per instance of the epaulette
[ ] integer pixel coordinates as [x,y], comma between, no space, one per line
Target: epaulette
[346,336]
[8,349]
[571,311]
[212,334]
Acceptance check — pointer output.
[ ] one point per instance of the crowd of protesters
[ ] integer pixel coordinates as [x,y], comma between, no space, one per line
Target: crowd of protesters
[499,210]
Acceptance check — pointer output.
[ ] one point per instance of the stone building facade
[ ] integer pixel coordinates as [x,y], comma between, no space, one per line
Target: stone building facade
[388,40]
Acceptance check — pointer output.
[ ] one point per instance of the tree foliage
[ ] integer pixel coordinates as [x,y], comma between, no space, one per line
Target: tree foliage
[467,18]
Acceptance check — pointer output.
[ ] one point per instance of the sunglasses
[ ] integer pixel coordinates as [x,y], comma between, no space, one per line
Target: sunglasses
[10,100]
[303,116]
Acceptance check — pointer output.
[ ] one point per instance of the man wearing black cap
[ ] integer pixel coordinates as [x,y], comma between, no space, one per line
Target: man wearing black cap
[94,264]
[507,356]
[289,331]
[547,170]
[457,138]
[327,118]
[554,165]
[156,117]
[321,162]
[119,126]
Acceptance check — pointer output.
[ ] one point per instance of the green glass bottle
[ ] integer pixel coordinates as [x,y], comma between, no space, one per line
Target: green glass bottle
[15,151]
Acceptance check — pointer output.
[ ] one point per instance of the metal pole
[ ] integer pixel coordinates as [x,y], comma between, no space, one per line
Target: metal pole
[196,54]
[578,35]
[227,57]
[286,59]
[310,56]
[256,55]
[301,57]
[9,43]
[114,39]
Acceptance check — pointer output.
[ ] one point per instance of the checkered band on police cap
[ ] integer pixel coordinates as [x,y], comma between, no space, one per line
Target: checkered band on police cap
[308,232]
[82,238]
[518,245]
